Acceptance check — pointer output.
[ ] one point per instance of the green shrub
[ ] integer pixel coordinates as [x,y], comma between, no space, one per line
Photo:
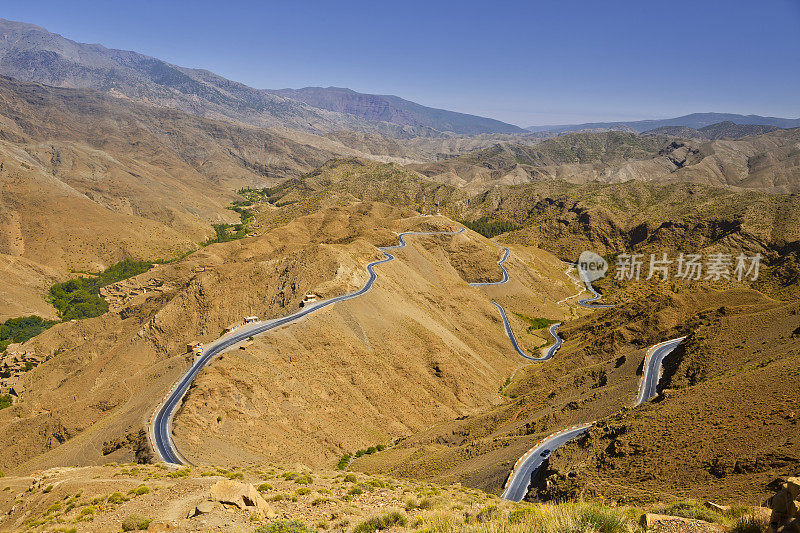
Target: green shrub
[350,478]
[139,491]
[284,526]
[488,513]
[302,491]
[344,461]
[6,401]
[691,509]
[117,498]
[384,521]
[355,491]
[135,522]
[535,323]
[264,487]
[181,472]
[750,524]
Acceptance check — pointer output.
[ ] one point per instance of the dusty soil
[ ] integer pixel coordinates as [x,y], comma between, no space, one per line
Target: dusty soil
[100,498]
[699,440]
[421,348]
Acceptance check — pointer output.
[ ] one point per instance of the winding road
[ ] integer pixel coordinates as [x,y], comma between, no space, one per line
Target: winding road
[653,366]
[518,483]
[520,478]
[507,325]
[588,302]
[161,426]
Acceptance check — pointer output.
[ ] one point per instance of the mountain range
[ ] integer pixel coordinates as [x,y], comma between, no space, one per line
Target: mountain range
[694,120]
[31,53]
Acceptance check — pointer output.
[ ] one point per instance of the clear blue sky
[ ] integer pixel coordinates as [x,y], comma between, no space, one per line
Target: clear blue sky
[526,62]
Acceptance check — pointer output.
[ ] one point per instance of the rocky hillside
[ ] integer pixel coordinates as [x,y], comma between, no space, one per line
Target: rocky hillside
[273,498]
[421,338]
[87,180]
[767,162]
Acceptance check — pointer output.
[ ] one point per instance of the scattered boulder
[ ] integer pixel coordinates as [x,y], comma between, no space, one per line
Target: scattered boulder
[204,507]
[242,495]
[677,524]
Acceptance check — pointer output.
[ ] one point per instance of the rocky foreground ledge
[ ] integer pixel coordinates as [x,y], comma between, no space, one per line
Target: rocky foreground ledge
[271,498]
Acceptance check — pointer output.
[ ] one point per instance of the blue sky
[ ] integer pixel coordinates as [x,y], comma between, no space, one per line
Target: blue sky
[526,62]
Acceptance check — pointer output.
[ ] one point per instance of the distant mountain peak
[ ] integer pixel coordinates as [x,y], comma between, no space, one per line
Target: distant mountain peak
[31,53]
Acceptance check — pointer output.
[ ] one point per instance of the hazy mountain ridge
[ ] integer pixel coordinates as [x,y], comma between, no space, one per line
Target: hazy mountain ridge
[31,53]
[721,130]
[767,162]
[396,110]
[693,120]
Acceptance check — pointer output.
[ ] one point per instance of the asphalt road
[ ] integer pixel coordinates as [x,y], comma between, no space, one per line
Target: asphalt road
[506,253]
[520,480]
[161,428]
[652,368]
[528,464]
[507,326]
[553,331]
[588,302]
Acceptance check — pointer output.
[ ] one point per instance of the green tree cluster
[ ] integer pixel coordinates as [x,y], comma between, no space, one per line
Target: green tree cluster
[489,227]
[80,297]
[21,329]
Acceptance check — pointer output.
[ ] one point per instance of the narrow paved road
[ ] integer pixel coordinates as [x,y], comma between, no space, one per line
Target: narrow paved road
[161,428]
[652,368]
[588,302]
[507,325]
[506,253]
[528,464]
[520,479]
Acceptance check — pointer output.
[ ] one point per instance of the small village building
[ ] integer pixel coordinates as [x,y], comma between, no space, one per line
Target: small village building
[308,299]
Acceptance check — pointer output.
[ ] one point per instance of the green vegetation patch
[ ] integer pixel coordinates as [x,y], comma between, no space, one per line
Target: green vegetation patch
[380,522]
[232,232]
[135,522]
[21,329]
[489,227]
[80,297]
[5,401]
[536,323]
[691,509]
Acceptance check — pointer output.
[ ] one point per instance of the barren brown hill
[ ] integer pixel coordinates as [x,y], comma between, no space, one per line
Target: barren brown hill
[724,428]
[422,334]
[767,162]
[87,180]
